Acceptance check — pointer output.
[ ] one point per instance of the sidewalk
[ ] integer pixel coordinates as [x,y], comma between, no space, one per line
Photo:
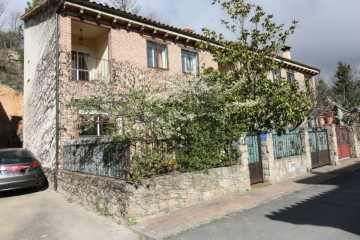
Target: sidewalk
[181,220]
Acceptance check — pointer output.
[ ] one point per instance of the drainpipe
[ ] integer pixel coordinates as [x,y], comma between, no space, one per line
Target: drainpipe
[57,118]
[57,101]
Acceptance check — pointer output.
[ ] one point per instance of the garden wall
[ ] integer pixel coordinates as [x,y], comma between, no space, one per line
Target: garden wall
[123,201]
[290,167]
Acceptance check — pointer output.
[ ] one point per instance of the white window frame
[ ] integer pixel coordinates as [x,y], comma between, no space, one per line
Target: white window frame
[189,55]
[99,124]
[153,55]
[77,69]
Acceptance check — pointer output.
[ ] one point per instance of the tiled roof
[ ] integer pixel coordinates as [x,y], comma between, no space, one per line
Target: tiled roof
[134,17]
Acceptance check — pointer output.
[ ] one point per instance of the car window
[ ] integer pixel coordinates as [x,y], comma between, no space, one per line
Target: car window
[12,160]
[15,153]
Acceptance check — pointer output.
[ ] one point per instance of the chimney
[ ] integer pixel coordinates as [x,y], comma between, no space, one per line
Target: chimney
[286,52]
[189,30]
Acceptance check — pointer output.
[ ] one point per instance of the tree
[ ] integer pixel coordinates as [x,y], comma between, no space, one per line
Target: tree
[323,92]
[189,123]
[2,11]
[14,20]
[249,60]
[345,88]
[126,5]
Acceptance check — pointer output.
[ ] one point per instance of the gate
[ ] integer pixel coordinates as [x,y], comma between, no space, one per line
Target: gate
[255,164]
[320,154]
[343,142]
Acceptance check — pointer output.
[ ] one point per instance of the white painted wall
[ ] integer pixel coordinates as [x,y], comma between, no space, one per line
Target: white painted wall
[40,87]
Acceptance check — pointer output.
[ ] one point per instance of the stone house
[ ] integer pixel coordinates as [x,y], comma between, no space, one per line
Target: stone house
[67,45]
[11,117]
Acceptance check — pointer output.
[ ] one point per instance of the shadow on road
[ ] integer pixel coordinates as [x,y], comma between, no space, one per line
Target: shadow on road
[338,205]
[25,191]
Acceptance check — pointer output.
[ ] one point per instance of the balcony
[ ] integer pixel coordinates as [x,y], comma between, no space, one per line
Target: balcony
[89,52]
[85,67]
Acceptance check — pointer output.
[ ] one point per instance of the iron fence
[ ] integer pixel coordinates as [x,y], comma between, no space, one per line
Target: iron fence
[98,157]
[287,145]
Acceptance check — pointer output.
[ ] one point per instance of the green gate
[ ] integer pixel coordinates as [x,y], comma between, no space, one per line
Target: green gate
[255,164]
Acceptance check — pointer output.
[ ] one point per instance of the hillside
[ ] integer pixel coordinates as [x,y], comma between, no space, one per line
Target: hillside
[11,69]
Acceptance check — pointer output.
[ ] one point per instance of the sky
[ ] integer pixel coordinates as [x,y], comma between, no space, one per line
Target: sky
[327,31]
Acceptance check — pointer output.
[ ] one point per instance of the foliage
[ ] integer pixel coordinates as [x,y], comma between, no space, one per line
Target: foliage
[11,48]
[149,162]
[132,222]
[32,4]
[249,60]
[323,92]
[345,88]
[101,210]
[189,123]
[11,69]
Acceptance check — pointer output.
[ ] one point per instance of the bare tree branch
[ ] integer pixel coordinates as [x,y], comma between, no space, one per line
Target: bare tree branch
[3,6]
[126,5]
[14,20]
[153,15]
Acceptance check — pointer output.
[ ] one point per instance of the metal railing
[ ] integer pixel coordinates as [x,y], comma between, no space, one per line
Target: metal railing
[96,156]
[86,67]
[287,145]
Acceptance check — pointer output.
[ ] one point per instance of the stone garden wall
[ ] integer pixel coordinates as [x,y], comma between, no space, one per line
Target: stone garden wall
[123,201]
[290,167]
[278,169]
[170,192]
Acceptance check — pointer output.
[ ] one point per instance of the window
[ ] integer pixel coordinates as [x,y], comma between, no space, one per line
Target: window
[157,55]
[190,62]
[290,77]
[276,75]
[80,66]
[95,125]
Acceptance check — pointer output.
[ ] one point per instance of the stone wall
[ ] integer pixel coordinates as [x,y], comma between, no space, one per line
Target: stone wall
[332,141]
[123,201]
[276,170]
[354,141]
[170,192]
[290,167]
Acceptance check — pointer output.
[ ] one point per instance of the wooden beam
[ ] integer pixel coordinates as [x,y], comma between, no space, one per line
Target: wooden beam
[98,17]
[81,14]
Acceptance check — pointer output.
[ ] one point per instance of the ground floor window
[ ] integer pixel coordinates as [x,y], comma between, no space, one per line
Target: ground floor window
[97,125]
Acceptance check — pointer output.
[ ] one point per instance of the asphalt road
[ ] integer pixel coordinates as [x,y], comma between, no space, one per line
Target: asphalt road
[28,215]
[326,211]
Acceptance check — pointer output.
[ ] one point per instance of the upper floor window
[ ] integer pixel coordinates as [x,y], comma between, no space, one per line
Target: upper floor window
[290,77]
[157,55]
[80,66]
[276,74]
[190,61]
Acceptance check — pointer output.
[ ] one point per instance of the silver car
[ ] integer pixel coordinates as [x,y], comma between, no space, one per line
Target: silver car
[19,169]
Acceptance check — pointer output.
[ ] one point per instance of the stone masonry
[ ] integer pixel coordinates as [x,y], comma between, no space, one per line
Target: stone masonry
[123,201]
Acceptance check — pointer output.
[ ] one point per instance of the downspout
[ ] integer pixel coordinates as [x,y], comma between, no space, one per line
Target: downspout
[57,101]
[57,117]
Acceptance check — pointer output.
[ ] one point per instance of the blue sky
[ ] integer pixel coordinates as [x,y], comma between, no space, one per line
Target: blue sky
[328,29]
